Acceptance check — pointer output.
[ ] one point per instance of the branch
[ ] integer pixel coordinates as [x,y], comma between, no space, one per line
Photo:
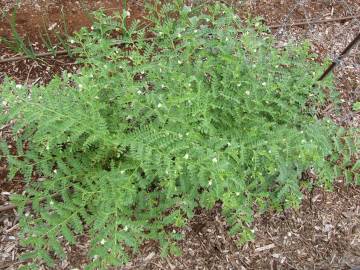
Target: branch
[301,23]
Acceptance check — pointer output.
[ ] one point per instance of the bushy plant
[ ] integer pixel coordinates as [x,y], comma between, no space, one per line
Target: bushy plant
[207,110]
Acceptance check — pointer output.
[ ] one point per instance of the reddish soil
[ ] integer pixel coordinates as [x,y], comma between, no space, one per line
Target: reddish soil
[35,17]
[323,234]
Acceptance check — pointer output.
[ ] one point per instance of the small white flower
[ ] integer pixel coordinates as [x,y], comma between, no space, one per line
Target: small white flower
[247,93]
[102,241]
[55,171]
[237,193]
[187,133]
[18,86]
[122,172]
[51,203]
[269,151]
[254,66]
[214,160]
[126,228]
[80,85]
[162,86]
[264,83]
[4,103]
[92,28]
[47,147]
[302,132]
[207,20]
[226,39]
[239,84]
[179,35]
[277,66]
[128,13]
[303,141]
[180,136]
[180,62]
[189,84]
[72,41]
[160,70]
[195,31]
[186,156]
[139,92]
[96,97]
[159,105]
[210,183]
[160,33]
[235,17]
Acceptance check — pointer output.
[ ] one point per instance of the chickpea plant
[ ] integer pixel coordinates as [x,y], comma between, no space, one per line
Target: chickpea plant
[195,108]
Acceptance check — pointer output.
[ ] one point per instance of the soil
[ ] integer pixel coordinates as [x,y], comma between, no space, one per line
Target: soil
[324,233]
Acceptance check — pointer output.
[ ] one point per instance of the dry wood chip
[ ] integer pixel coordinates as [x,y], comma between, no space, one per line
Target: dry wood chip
[267,247]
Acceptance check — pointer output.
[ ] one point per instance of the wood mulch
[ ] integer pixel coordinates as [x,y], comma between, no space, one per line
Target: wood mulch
[323,234]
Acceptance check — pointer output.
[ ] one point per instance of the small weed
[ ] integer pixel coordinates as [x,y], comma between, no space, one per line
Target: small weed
[16,42]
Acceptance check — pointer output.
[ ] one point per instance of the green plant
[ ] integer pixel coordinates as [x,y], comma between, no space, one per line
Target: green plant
[59,38]
[346,155]
[16,42]
[128,148]
[356,106]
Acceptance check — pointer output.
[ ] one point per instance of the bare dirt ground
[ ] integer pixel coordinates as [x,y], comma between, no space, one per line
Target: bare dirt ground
[323,234]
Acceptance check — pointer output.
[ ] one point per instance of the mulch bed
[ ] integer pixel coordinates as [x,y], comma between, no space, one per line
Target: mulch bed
[323,234]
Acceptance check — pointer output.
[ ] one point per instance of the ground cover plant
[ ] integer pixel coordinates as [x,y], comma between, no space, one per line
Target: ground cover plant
[207,110]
